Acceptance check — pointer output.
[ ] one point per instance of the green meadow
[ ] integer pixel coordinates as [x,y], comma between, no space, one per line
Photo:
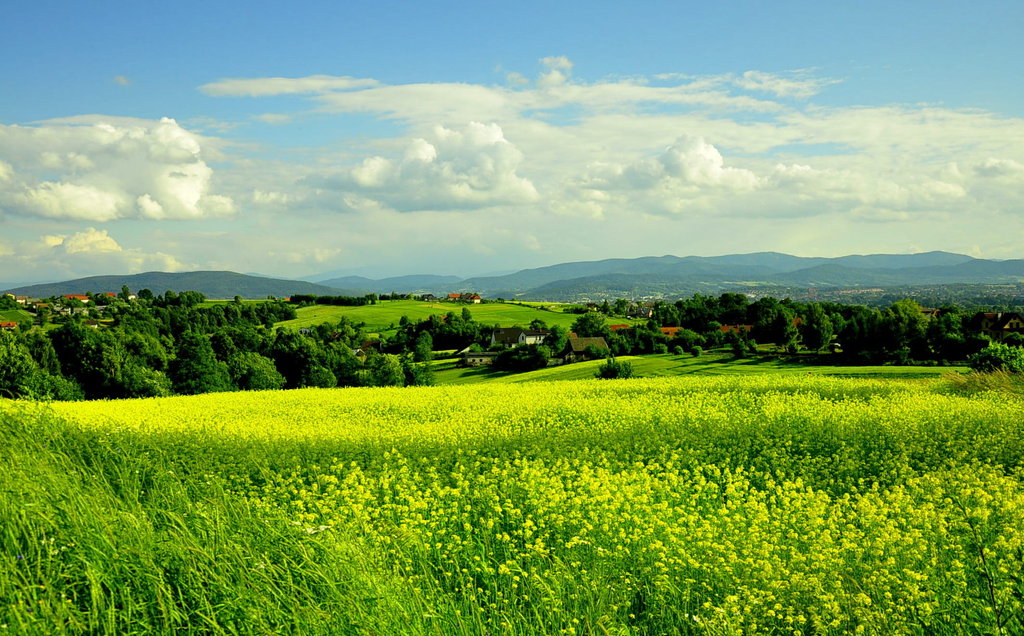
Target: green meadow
[385,314]
[448,371]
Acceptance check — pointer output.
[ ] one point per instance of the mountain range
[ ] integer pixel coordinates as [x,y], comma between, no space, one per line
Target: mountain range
[652,276]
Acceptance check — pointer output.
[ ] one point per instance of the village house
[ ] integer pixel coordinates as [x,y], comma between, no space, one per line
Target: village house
[577,348]
[517,337]
[428,298]
[736,328]
[9,325]
[998,325]
[478,358]
[465,298]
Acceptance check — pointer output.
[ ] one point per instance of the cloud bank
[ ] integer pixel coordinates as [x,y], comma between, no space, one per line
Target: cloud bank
[101,169]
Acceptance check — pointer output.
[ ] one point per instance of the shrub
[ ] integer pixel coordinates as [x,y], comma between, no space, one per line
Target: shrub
[998,357]
[613,369]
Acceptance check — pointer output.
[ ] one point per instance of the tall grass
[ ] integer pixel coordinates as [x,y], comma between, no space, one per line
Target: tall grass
[777,505]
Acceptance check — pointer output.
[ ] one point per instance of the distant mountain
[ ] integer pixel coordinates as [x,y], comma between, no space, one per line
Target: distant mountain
[765,272]
[210,283]
[769,273]
[412,284]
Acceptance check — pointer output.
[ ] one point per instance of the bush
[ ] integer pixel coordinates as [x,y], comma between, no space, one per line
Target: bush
[998,357]
[613,369]
[696,351]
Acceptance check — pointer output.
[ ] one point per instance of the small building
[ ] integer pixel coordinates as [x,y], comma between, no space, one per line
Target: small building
[80,297]
[428,298]
[998,325]
[9,325]
[736,328]
[478,358]
[517,336]
[577,348]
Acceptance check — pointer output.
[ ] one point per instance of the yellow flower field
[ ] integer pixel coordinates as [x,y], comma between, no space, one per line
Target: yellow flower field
[781,505]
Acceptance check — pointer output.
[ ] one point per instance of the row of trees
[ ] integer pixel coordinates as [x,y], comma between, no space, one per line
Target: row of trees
[900,333]
[176,343]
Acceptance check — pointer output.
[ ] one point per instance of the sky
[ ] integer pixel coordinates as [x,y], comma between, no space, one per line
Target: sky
[389,138]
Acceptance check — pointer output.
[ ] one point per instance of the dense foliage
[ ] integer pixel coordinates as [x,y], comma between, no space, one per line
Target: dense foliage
[685,506]
[176,343]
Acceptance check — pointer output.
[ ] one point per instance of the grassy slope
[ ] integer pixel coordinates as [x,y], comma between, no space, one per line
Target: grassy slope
[667,365]
[17,315]
[386,313]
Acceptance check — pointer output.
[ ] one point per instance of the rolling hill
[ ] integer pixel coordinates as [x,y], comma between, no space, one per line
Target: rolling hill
[651,276]
[214,284]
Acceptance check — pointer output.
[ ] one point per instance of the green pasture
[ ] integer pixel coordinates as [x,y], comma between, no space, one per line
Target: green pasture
[16,315]
[668,365]
[385,314]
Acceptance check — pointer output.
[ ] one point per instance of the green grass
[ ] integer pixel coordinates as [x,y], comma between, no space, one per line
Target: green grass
[16,315]
[668,365]
[382,316]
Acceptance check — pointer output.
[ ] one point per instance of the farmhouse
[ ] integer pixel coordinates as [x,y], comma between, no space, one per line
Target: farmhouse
[465,298]
[998,325]
[577,348]
[8,324]
[516,336]
[479,358]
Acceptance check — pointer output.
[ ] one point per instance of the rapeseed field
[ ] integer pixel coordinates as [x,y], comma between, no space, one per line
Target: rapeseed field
[728,505]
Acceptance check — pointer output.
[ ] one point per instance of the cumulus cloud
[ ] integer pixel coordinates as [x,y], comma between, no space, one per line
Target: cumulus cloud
[268,86]
[82,253]
[991,167]
[469,166]
[100,170]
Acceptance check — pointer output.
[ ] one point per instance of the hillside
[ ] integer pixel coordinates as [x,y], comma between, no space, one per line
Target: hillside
[768,273]
[214,284]
[674,276]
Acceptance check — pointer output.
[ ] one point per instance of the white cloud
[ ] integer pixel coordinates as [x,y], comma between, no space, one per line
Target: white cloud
[468,167]
[91,240]
[557,71]
[997,168]
[268,86]
[99,170]
[796,84]
[121,80]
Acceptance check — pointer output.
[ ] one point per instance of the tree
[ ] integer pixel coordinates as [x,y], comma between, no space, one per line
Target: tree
[418,374]
[196,368]
[16,367]
[423,350]
[385,369]
[591,325]
[525,358]
[816,328]
[998,357]
[252,372]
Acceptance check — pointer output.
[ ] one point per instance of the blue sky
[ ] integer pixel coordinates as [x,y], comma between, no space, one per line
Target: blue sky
[390,138]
